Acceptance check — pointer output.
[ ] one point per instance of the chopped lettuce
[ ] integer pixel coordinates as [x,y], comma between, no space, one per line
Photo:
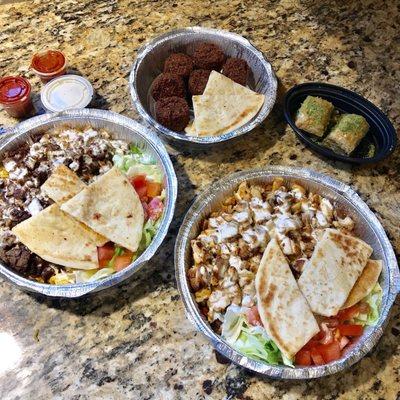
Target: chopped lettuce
[137,162]
[149,231]
[152,172]
[92,274]
[374,300]
[252,341]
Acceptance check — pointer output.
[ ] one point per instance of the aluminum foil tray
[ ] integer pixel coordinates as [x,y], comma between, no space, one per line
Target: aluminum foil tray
[150,60]
[121,128]
[368,228]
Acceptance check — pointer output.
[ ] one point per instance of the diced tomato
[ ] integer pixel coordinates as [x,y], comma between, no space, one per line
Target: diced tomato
[155,208]
[303,357]
[316,357]
[105,254]
[319,335]
[121,262]
[351,330]
[140,184]
[253,316]
[310,344]
[153,189]
[329,352]
[344,341]
[349,313]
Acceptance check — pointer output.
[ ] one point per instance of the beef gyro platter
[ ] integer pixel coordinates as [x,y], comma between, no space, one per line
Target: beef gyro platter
[82,200]
[202,85]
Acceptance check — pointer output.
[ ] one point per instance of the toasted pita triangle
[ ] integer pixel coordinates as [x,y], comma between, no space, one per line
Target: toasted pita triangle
[111,207]
[219,84]
[191,129]
[62,185]
[283,310]
[365,283]
[333,269]
[224,106]
[56,237]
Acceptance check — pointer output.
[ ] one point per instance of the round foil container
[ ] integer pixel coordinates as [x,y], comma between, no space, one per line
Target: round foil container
[343,197]
[150,61]
[120,128]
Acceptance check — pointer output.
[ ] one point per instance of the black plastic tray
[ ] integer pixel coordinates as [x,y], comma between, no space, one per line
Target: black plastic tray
[381,133]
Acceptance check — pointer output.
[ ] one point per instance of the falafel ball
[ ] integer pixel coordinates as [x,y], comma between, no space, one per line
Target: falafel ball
[208,56]
[168,85]
[173,113]
[236,69]
[198,80]
[179,64]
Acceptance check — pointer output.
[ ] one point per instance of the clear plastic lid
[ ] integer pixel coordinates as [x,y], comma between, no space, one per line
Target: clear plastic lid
[67,92]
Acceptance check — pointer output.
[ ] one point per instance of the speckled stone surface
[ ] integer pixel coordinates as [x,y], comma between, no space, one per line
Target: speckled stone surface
[134,342]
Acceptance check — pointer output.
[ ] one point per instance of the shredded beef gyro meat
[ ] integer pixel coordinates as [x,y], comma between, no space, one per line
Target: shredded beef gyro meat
[168,85]
[198,81]
[173,113]
[179,64]
[236,69]
[208,56]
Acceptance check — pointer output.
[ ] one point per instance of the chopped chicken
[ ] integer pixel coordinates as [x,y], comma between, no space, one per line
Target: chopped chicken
[228,251]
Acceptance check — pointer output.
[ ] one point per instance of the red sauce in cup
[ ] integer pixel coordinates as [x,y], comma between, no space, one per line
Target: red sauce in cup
[15,96]
[48,64]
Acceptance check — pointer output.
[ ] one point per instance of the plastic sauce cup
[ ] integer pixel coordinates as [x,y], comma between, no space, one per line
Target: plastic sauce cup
[15,96]
[48,64]
[66,92]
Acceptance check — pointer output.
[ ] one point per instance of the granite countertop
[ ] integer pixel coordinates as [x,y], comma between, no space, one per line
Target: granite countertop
[134,341]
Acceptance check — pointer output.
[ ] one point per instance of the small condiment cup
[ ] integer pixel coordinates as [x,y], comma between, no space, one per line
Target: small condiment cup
[66,92]
[49,64]
[15,96]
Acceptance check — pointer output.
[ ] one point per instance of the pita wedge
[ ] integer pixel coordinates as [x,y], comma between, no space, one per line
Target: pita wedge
[191,129]
[333,269]
[365,283]
[283,309]
[56,237]
[224,106]
[111,207]
[62,185]
[218,84]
